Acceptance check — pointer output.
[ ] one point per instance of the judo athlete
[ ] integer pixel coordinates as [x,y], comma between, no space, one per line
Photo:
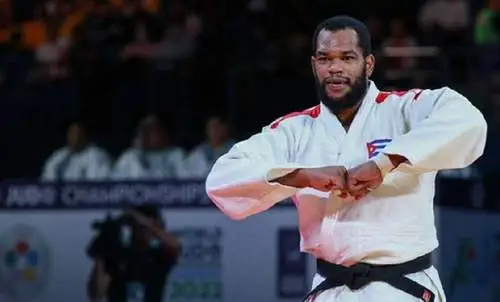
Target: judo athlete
[361,168]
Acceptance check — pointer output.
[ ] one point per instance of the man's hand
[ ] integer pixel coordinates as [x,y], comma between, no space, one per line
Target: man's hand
[154,226]
[363,179]
[142,220]
[323,179]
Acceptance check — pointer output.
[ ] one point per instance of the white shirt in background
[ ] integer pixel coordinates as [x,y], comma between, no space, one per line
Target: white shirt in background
[137,164]
[92,163]
[201,159]
[449,15]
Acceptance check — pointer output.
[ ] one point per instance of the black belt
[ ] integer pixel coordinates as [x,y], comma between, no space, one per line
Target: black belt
[361,274]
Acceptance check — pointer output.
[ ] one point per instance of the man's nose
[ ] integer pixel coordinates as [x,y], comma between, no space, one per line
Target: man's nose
[335,66]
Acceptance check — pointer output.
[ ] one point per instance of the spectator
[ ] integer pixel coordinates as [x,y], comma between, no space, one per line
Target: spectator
[74,14]
[152,155]
[33,31]
[400,37]
[139,25]
[399,67]
[79,160]
[487,37]
[445,22]
[177,41]
[487,24]
[375,25]
[200,160]
[133,256]
[52,54]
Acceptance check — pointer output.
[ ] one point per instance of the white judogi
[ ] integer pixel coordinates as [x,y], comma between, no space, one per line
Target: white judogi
[91,163]
[199,161]
[433,129]
[138,164]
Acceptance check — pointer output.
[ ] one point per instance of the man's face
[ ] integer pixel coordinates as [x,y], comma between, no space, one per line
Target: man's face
[76,137]
[155,136]
[216,130]
[151,134]
[340,69]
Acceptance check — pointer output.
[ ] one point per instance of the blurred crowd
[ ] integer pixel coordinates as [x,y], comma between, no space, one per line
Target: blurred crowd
[150,156]
[162,71]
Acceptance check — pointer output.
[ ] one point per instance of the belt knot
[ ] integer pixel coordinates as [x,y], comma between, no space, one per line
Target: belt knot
[360,275]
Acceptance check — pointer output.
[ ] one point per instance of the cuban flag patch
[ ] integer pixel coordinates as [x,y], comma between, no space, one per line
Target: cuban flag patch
[374,147]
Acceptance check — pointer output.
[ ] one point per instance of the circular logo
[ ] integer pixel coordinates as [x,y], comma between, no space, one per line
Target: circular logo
[24,262]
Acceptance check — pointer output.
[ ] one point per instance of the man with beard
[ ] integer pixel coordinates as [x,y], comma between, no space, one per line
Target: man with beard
[361,167]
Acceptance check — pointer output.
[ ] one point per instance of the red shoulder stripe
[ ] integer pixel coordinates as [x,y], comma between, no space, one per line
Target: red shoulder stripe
[383,95]
[312,112]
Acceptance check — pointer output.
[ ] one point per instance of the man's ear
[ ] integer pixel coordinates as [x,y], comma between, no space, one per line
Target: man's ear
[370,65]
[313,60]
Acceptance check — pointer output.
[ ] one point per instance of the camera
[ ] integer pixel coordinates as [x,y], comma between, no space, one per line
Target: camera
[99,225]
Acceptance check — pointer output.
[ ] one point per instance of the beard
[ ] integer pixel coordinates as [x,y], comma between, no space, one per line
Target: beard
[351,99]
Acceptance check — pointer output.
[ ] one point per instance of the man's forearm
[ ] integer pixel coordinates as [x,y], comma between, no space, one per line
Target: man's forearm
[168,239]
[289,179]
[99,282]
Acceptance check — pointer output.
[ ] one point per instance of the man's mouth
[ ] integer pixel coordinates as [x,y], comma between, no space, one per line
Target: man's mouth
[336,84]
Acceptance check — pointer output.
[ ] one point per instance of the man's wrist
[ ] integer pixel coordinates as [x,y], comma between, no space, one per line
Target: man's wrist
[288,179]
[384,164]
[388,162]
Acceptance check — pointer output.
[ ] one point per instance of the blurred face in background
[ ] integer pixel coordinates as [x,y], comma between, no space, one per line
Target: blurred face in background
[340,69]
[152,135]
[398,28]
[217,131]
[76,137]
[51,7]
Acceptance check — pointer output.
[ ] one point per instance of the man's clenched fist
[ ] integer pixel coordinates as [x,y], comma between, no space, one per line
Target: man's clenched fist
[363,179]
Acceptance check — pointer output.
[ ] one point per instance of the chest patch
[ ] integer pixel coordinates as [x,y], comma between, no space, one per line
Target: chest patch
[374,147]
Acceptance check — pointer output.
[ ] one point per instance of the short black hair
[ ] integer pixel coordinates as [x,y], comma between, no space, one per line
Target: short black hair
[148,210]
[221,116]
[344,22]
[83,125]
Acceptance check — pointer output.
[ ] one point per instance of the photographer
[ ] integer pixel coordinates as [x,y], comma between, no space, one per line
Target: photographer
[133,256]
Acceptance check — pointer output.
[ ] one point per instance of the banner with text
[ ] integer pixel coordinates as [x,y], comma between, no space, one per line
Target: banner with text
[45,230]
[198,277]
[469,255]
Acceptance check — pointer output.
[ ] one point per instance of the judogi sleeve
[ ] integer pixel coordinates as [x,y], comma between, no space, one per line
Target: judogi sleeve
[445,132]
[240,182]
